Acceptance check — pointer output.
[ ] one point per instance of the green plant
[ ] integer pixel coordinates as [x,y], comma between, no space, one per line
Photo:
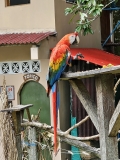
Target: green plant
[86,11]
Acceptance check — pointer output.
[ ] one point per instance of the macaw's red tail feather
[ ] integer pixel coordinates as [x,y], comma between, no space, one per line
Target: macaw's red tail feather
[55,121]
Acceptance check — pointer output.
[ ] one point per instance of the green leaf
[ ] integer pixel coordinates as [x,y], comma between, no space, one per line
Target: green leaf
[92,9]
[86,11]
[68,10]
[78,29]
[100,5]
[83,16]
[78,2]
[94,2]
[89,4]
[90,30]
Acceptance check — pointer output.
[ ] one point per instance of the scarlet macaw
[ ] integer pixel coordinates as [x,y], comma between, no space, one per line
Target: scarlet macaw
[59,59]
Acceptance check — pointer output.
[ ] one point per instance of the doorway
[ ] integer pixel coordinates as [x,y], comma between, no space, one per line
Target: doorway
[34,93]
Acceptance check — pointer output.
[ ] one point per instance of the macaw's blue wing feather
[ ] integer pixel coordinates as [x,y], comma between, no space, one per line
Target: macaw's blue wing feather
[54,74]
[56,68]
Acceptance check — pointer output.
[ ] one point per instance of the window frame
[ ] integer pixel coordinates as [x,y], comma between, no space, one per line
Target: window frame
[7,3]
[69,1]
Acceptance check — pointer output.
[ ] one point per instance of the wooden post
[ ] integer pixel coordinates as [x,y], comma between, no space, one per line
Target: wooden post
[17,115]
[32,149]
[114,124]
[17,124]
[106,107]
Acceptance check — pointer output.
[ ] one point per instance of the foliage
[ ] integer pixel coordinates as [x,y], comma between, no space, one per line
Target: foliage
[87,11]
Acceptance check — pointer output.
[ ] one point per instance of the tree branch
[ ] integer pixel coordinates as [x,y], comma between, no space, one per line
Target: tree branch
[76,125]
[66,138]
[116,85]
[95,17]
[83,146]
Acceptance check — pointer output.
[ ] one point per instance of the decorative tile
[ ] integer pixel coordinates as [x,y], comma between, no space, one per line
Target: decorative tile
[20,67]
[25,67]
[5,68]
[35,66]
[15,67]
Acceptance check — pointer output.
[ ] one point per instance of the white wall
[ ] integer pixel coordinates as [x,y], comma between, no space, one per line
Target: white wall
[36,15]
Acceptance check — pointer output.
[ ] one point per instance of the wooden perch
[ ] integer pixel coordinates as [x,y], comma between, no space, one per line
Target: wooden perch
[114,124]
[91,73]
[83,146]
[66,138]
[116,85]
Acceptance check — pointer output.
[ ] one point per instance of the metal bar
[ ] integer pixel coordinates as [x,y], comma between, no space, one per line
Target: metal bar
[116,8]
[111,33]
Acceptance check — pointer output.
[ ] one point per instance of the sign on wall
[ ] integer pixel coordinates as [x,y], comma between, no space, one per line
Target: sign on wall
[31,76]
[10,92]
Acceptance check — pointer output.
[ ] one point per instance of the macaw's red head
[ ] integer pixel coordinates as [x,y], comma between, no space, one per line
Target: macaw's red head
[70,39]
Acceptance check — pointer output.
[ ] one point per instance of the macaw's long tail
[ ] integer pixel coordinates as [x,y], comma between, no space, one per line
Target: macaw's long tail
[55,100]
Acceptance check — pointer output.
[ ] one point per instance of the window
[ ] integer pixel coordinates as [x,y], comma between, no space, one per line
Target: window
[16,2]
[71,1]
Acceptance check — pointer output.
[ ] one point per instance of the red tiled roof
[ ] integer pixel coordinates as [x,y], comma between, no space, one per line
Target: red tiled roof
[97,56]
[23,38]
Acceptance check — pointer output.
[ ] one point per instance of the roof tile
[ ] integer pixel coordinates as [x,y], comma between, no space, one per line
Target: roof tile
[23,38]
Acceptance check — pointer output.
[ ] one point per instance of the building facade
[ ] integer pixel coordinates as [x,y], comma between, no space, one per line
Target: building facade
[32,28]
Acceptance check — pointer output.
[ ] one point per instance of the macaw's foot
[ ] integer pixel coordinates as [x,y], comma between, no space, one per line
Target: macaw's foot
[78,55]
[69,64]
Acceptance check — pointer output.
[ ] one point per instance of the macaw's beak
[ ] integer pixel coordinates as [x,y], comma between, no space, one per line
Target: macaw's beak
[77,40]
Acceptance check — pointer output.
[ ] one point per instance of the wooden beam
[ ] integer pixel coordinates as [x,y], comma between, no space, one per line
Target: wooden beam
[105,106]
[86,100]
[91,73]
[114,124]
[17,108]
[28,114]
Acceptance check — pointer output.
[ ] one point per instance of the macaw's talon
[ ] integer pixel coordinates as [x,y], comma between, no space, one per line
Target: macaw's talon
[69,64]
[78,55]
